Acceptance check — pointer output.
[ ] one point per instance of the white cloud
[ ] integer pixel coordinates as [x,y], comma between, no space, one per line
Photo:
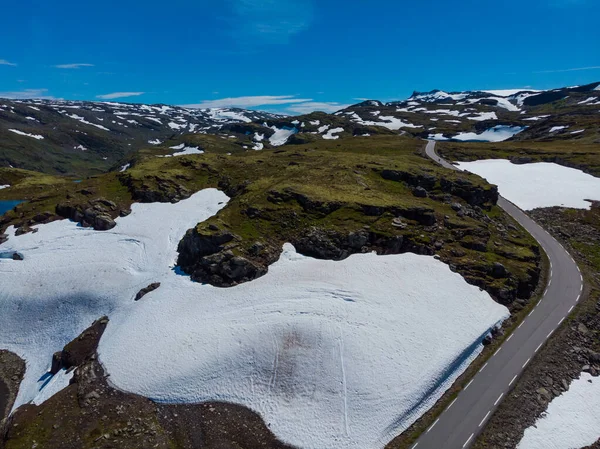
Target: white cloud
[248,102]
[73,66]
[577,69]
[274,21]
[289,104]
[27,93]
[5,62]
[312,106]
[114,95]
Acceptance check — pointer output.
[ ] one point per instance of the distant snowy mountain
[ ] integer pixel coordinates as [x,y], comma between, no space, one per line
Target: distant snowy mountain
[78,137]
[60,136]
[476,115]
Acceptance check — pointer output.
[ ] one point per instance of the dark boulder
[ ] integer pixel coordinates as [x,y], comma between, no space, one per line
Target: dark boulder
[80,349]
[419,192]
[499,271]
[143,292]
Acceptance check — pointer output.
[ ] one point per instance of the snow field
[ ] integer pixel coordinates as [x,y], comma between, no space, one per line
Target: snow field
[541,184]
[336,354]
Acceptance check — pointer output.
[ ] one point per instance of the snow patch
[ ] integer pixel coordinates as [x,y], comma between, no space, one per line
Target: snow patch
[388,122]
[21,133]
[189,150]
[177,126]
[496,134]
[330,134]
[588,100]
[5,186]
[481,116]
[124,167]
[507,92]
[154,142]
[557,128]
[540,184]
[184,151]
[571,421]
[281,135]
[85,122]
[535,119]
[225,114]
[49,385]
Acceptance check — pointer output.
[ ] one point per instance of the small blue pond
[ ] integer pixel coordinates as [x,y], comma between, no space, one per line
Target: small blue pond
[6,205]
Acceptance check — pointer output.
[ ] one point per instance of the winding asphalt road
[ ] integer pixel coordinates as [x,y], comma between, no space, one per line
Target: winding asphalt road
[459,425]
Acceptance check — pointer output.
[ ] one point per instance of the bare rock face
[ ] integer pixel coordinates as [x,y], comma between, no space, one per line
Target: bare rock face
[207,257]
[97,213]
[80,349]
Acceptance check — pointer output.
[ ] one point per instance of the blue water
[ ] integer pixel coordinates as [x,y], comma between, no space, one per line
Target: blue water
[6,205]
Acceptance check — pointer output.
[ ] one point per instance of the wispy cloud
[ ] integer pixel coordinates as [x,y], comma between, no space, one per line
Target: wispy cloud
[284,103]
[272,21]
[28,93]
[5,62]
[114,95]
[577,69]
[73,66]
[312,106]
[249,102]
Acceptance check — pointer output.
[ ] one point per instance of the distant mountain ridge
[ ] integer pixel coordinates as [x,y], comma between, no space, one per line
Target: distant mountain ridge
[82,138]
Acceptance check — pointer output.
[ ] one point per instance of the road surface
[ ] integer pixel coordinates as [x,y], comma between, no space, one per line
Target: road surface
[459,425]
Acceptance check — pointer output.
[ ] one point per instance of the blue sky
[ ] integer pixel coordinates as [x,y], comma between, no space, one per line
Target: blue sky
[292,55]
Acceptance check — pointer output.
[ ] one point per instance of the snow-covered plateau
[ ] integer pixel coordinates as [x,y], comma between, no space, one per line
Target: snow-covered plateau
[572,420]
[332,354]
[541,184]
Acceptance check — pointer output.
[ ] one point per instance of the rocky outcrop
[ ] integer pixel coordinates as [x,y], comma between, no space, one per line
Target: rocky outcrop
[423,180]
[208,257]
[144,291]
[308,204]
[98,213]
[80,349]
[474,195]
[165,191]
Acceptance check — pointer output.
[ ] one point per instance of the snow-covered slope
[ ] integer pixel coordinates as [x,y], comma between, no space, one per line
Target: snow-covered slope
[331,354]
